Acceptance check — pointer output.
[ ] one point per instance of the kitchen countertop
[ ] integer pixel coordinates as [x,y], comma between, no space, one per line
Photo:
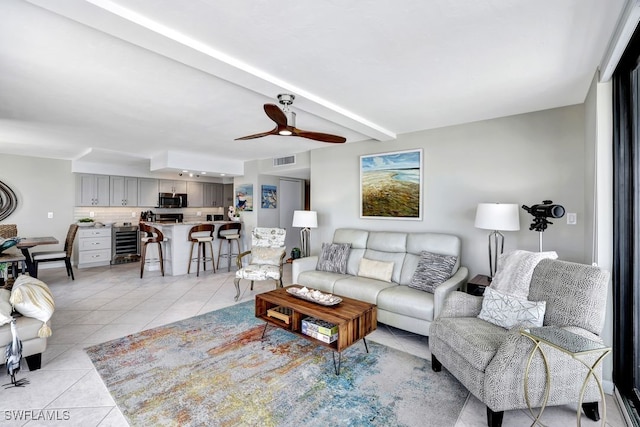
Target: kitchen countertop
[172,224]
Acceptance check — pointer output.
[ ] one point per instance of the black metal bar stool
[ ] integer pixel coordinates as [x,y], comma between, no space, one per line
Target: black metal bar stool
[229,233]
[201,234]
[151,235]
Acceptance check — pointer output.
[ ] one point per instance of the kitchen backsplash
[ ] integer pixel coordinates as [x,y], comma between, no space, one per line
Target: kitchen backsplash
[123,214]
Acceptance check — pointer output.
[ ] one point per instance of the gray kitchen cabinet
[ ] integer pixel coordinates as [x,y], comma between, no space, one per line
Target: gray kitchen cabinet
[171,186]
[213,195]
[148,192]
[92,190]
[124,191]
[195,194]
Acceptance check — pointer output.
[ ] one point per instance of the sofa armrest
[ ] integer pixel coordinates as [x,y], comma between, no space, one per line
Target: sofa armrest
[302,264]
[441,292]
[461,304]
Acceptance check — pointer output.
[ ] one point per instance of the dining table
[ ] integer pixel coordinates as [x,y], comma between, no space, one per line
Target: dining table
[27,243]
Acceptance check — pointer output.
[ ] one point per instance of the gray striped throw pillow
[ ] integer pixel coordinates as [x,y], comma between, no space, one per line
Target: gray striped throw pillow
[334,257]
[432,270]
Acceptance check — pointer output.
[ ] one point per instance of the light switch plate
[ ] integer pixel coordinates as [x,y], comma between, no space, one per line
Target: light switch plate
[49,215]
[572,218]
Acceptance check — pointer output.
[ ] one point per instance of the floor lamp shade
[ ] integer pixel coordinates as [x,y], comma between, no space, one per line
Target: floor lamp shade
[497,217]
[306,220]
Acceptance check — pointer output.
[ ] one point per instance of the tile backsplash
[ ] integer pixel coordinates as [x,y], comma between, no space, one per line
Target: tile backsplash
[119,215]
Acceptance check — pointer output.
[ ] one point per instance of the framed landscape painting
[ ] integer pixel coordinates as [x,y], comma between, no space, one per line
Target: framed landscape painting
[391,185]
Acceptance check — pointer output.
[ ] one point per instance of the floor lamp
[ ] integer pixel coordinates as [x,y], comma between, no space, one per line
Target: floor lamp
[306,220]
[497,217]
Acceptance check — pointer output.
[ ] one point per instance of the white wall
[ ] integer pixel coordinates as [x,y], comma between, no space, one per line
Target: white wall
[521,159]
[41,186]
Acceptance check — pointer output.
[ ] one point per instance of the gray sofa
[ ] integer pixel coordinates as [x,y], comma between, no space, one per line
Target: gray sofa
[398,305]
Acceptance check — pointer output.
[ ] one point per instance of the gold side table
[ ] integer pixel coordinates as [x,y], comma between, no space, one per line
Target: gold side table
[575,346]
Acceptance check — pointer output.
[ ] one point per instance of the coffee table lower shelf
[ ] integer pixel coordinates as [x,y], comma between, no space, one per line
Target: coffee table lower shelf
[354,319]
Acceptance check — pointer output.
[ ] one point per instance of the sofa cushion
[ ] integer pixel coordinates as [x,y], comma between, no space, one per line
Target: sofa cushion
[432,270]
[320,280]
[515,269]
[5,306]
[474,339]
[360,288]
[379,270]
[508,311]
[410,302]
[334,257]
[28,328]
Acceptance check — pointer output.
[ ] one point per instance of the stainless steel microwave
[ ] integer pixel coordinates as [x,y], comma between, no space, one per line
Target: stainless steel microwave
[172,200]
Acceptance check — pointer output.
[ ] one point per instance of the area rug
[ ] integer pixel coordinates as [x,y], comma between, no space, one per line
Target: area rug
[215,370]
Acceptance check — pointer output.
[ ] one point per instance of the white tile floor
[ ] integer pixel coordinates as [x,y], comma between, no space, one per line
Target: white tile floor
[109,302]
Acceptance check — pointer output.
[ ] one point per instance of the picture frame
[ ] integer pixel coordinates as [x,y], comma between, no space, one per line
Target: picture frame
[391,185]
[269,197]
[244,197]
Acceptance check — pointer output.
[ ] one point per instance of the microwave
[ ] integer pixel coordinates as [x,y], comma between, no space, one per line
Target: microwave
[172,200]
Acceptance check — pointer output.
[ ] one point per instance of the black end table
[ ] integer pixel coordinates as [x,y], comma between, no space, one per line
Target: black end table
[476,285]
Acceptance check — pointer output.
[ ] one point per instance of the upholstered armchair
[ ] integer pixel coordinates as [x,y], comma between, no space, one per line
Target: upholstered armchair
[266,257]
[490,360]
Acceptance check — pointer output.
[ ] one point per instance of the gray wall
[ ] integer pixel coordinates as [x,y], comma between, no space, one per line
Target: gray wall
[42,186]
[521,159]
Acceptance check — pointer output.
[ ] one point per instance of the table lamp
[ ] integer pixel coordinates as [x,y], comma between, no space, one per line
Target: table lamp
[497,217]
[306,220]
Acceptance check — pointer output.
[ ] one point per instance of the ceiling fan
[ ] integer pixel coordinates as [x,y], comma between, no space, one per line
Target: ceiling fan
[285,120]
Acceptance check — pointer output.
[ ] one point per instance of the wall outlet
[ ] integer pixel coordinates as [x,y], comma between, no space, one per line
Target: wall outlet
[198,213]
[572,218]
[49,215]
[133,214]
[92,214]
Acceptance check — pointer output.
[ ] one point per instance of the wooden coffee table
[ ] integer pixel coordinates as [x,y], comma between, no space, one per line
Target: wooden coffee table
[355,319]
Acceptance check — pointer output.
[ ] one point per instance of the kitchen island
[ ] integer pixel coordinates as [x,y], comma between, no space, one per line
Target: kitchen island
[177,248]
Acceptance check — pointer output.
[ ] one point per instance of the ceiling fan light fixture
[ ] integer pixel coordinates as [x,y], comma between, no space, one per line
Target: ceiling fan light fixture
[285,132]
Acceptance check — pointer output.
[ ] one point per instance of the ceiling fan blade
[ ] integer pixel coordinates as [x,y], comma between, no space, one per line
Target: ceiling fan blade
[274,131]
[319,136]
[276,114]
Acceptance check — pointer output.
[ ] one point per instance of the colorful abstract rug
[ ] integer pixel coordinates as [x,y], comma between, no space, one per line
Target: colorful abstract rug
[214,370]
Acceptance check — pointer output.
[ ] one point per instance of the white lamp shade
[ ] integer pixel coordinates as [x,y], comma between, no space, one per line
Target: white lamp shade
[305,219]
[497,216]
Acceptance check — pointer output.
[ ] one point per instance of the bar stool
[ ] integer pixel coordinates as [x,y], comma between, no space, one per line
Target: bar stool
[229,232]
[151,235]
[201,234]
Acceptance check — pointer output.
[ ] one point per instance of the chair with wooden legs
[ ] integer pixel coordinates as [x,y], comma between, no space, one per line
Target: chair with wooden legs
[229,233]
[63,255]
[151,235]
[201,235]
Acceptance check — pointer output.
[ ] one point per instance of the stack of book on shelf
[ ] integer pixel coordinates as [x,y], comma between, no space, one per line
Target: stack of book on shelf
[320,330]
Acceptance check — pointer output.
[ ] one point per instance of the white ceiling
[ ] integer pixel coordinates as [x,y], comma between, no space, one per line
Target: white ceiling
[133,80]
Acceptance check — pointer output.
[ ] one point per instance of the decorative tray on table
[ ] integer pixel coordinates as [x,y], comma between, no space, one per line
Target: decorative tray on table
[315,296]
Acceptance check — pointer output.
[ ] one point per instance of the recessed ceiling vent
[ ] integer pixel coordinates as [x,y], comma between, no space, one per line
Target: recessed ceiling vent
[283,161]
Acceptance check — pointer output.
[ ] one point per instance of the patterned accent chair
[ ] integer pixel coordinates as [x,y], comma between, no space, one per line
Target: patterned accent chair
[267,257]
[490,361]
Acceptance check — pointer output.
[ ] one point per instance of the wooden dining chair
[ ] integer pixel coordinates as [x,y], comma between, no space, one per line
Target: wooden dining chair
[63,255]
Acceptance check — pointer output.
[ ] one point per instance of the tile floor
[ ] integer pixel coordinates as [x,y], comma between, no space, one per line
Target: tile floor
[108,302]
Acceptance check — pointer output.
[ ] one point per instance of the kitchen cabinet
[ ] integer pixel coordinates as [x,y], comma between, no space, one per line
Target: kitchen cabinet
[170,186]
[148,192]
[213,195]
[94,247]
[124,191]
[195,194]
[92,190]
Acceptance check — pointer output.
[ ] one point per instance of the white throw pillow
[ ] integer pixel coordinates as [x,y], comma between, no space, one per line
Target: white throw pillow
[269,256]
[508,311]
[5,306]
[32,298]
[515,270]
[380,270]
